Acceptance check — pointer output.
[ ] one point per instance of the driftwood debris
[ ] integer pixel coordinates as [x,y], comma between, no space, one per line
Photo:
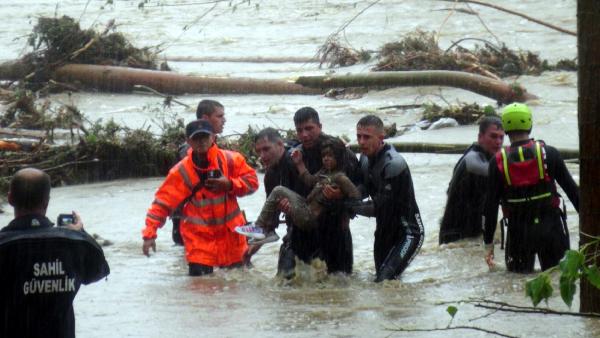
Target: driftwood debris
[498,90]
[122,79]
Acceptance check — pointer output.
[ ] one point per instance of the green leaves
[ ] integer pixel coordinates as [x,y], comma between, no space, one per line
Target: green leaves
[452,310]
[567,289]
[570,266]
[593,275]
[539,288]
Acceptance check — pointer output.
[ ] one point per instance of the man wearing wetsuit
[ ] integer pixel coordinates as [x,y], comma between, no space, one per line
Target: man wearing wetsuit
[332,240]
[468,186]
[522,177]
[386,178]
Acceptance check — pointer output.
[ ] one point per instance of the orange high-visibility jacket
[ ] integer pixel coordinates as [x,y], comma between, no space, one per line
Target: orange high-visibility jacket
[209,219]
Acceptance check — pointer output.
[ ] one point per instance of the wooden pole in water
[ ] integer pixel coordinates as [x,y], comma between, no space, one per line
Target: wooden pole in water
[122,79]
[501,91]
[453,148]
[588,27]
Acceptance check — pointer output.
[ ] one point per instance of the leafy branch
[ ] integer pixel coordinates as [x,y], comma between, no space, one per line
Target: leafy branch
[571,268]
[452,310]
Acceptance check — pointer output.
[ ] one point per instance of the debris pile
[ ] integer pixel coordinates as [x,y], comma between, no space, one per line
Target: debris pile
[419,50]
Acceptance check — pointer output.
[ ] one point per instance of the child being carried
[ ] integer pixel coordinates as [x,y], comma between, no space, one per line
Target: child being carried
[304,212]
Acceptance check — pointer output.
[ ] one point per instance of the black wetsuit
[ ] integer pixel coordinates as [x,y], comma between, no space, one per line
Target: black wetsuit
[399,233]
[331,240]
[466,195]
[533,228]
[42,270]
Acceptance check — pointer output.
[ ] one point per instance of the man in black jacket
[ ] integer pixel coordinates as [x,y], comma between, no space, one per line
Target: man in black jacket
[332,240]
[523,179]
[42,266]
[468,186]
[399,232]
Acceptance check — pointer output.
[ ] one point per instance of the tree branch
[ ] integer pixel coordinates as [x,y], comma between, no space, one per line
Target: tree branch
[562,30]
[400,329]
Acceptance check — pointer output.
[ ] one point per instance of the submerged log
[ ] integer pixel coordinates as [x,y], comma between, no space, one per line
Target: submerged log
[122,79]
[440,148]
[27,133]
[498,90]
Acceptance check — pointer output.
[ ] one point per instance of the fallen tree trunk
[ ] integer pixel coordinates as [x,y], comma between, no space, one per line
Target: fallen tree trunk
[15,70]
[122,79]
[498,90]
[439,148]
[27,133]
[250,59]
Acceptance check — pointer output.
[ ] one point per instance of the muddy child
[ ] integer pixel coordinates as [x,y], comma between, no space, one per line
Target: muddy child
[304,212]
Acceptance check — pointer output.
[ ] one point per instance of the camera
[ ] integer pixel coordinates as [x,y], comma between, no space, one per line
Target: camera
[213,174]
[65,219]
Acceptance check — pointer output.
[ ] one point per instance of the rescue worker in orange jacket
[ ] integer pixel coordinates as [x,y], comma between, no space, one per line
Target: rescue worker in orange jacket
[209,180]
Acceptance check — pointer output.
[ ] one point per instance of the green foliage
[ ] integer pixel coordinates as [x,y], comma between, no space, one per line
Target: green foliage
[452,310]
[592,273]
[572,267]
[539,288]
[567,289]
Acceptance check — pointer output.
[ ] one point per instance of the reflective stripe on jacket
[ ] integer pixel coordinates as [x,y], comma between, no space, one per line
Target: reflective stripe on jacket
[209,219]
[525,174]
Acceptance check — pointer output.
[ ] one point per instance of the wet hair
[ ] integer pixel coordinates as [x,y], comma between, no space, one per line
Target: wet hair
[371,121]
[488,121]
[29,189]
[306,114]
[337,147]
[271,134]
[207,107]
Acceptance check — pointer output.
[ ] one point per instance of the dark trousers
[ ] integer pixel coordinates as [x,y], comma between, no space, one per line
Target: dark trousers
[196,269]
[528,235]
[331,242]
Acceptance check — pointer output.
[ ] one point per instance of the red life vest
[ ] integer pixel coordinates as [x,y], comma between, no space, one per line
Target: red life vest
[526,179]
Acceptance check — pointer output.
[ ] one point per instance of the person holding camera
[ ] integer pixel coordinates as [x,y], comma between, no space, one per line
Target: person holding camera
[213,112]
[207,181]
[42,266]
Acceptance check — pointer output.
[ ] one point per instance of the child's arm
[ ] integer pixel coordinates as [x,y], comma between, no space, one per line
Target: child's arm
[306,177]
[348,188]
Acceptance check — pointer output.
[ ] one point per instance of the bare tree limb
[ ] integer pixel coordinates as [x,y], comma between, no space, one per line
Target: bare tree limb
[462,327]
[562,30]
[168,97]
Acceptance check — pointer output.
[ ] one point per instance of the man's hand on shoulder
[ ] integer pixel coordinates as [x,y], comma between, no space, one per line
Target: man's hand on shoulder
[149,243]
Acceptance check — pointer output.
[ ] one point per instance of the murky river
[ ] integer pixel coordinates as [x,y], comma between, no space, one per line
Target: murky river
[154,297]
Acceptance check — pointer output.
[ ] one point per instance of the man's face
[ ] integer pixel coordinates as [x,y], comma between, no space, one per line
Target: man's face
[269,152]
[308,133]
[369,140]
[216,119]
[491,140]
[201,142]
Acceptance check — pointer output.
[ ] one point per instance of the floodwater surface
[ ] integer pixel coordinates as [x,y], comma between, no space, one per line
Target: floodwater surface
[154,297]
